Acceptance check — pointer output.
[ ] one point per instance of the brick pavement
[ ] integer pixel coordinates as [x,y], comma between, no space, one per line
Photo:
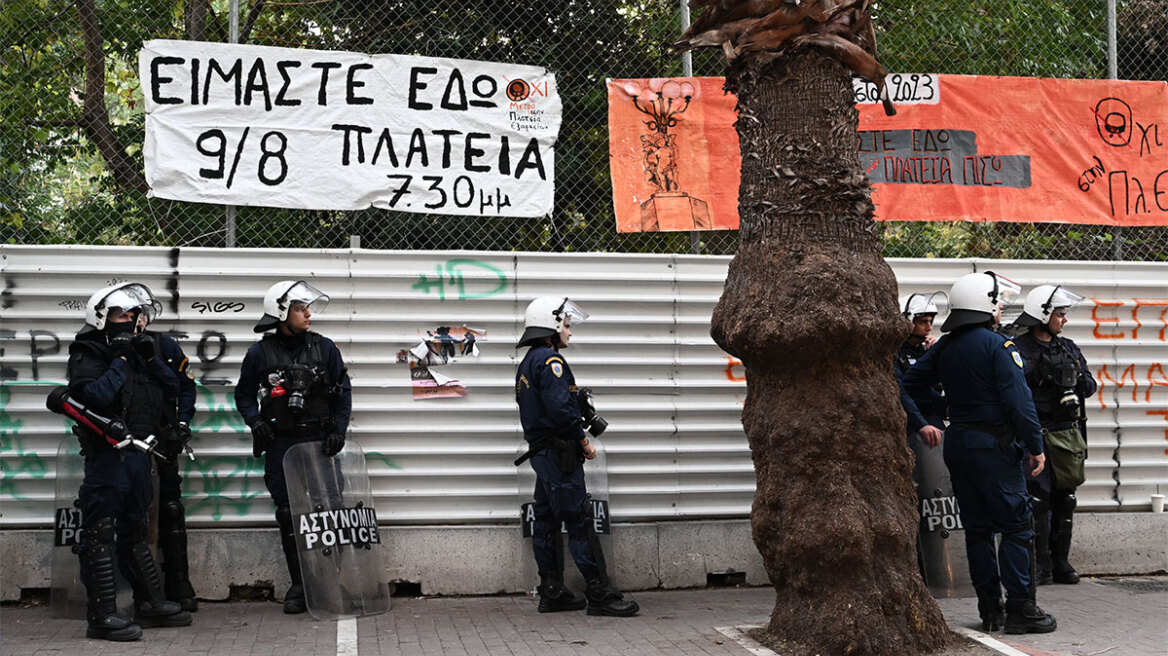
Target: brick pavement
[1121,618]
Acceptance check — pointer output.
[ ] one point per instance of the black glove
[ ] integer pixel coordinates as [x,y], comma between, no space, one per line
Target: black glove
[333,443]
[262,436]
[144,346]
[184,435]
[122,344]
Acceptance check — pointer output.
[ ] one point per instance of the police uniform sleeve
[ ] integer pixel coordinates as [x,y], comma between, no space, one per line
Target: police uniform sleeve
[341,403]
[556,395]
[93,381]
[913,417]
[167,379]
[1015,395]
[922,375]
[180,364]
[249,384]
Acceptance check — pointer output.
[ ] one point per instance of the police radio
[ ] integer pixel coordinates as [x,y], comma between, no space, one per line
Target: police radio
[113,430]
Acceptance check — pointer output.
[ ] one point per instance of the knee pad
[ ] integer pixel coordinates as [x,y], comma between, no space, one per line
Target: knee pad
[101,532]
[1039,501]
[284,519]
[173,512]
[1067,504]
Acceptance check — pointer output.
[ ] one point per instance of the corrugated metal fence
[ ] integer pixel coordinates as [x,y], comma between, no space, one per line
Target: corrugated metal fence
[675,447]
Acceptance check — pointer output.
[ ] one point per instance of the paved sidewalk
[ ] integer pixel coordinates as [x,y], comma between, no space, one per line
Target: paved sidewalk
[1124,617]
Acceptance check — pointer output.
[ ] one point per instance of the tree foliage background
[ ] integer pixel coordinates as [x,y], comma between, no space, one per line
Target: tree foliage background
[57,184]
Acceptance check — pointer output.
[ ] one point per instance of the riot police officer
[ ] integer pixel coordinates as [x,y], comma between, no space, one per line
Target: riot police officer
[992,425]
[927,414]
[550,411]
[293,387]
[119,370]
[1060,381]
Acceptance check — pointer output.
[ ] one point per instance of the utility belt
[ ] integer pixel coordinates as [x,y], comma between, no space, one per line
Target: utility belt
[313,426]
[568,452]
[1003,433]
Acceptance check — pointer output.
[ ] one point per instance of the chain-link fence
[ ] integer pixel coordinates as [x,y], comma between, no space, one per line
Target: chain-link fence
[71,115]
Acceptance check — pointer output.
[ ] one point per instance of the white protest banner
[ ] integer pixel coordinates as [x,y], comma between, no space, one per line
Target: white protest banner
[310,129]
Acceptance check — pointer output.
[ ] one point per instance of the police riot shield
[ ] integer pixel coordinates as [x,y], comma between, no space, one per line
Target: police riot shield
[67,595]
[596,481]
[941,538]
[336,532]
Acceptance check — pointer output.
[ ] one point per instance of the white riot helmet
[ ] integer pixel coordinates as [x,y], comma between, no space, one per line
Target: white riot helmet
[127,296]
[280,298]
[914,305]
[976,297]
[545,317]
[1041,303]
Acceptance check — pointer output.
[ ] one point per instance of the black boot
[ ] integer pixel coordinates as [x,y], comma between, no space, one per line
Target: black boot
[1060,540]
[294,602]
[989,608]
[1040,517]
[605,600]
[172,542]
[554,597]
[151,609]
[1026,617]
[97,567]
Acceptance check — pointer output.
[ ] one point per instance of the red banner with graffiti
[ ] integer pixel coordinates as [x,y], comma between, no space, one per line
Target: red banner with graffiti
[961,148]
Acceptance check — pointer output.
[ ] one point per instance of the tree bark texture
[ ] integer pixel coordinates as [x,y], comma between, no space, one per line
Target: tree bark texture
[94,115]
[809,307]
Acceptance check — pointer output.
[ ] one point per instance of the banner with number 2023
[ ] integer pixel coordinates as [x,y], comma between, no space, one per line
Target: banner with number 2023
[325,130]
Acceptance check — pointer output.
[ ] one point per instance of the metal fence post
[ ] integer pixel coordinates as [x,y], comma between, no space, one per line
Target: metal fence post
[233,37]
[695,242]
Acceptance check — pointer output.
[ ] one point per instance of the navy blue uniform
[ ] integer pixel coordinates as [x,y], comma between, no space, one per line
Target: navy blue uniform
[548,409]
[117,485]
[927,410]
[992,424]
[332,407]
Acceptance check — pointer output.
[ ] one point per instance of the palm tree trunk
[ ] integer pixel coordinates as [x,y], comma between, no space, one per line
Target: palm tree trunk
[809,307]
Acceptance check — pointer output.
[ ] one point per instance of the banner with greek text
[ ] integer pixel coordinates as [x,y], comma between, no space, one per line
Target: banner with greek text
[960,148]
[327,130]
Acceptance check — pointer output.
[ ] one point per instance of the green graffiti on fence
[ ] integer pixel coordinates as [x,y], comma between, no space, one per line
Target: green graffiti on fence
[451,273]
[216,476]
[218,417]
[17,460]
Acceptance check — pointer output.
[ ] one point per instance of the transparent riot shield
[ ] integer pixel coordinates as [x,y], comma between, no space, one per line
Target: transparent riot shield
[941,539]
[596,481]
[336,532]
[67,595]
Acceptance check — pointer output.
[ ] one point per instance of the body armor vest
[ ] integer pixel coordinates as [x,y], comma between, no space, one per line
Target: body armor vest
[141,404]
[294,391]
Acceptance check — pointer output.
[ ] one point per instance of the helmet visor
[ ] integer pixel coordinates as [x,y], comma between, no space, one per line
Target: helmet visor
[572,313]
[932,303]
[1006,291]
[1062,298]
[132,297]
[305,293]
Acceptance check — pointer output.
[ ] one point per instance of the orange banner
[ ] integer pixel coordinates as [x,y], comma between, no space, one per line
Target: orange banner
[961,148]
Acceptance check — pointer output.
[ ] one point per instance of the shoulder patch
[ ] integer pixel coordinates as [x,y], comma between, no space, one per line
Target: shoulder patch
[554,358]
[1008,343]
[1017,359]
[558,368]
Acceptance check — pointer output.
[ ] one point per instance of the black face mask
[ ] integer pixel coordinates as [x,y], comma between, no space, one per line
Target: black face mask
[124,328]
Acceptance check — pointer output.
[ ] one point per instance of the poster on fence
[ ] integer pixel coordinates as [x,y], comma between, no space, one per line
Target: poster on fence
[328,130]
[961,148]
